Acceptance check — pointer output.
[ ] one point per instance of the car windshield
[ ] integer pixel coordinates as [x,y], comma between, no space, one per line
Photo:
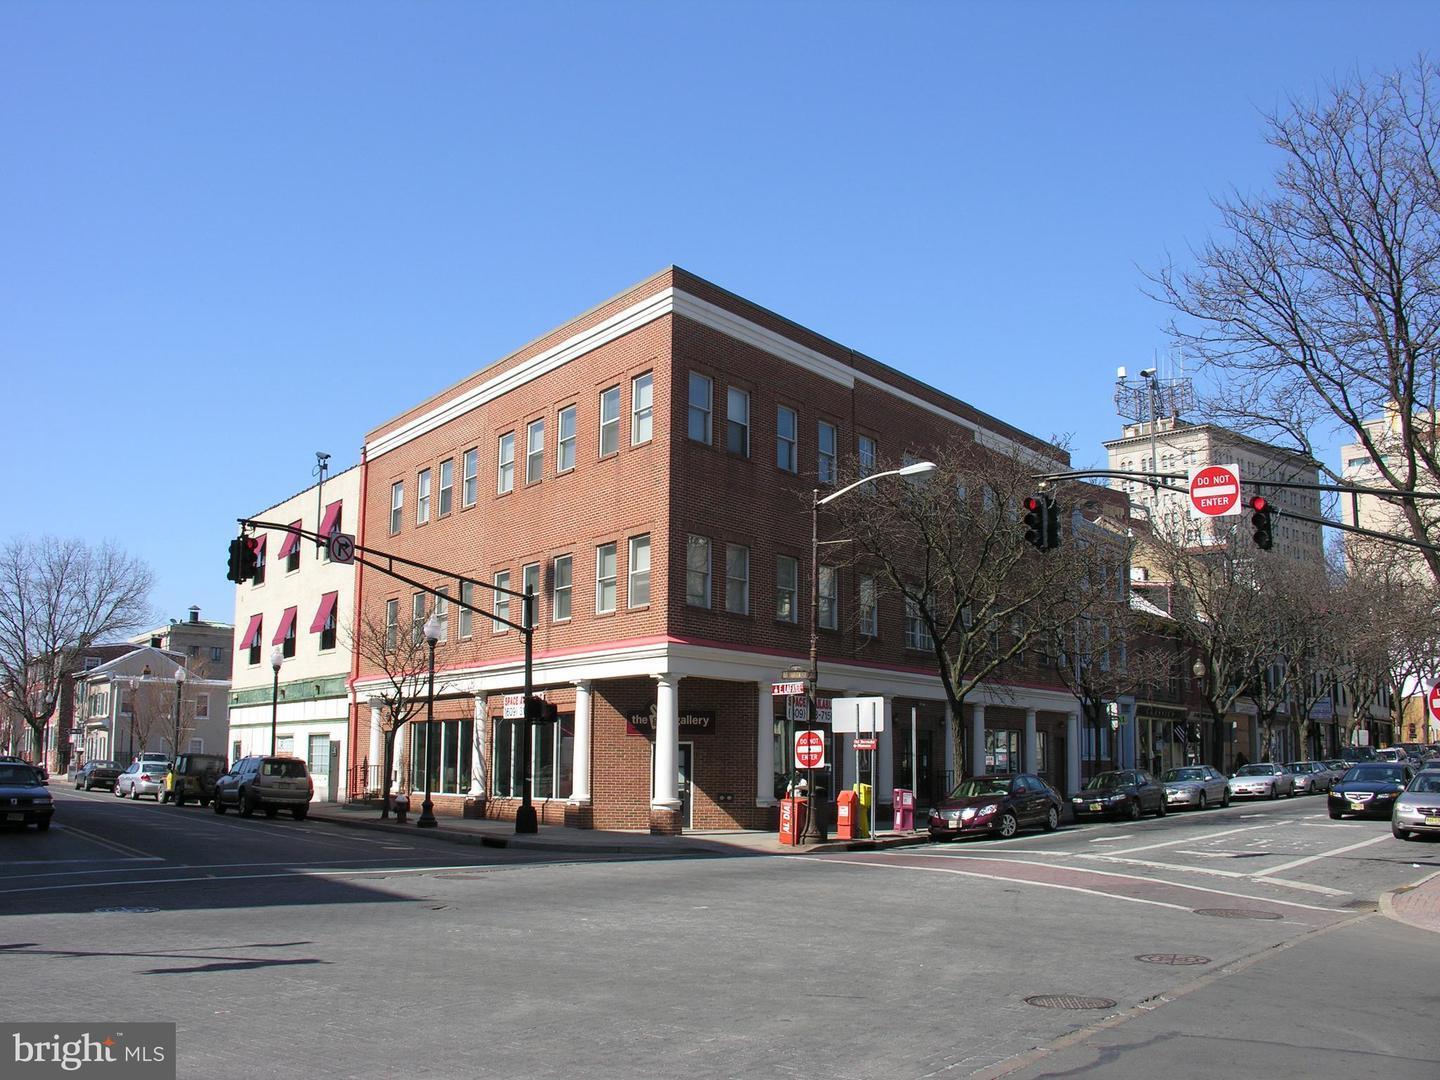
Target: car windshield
[1428,782]
[1297,767]
[102,764]
[1175,775]
[285,768]
[1375,774]
[204,763]
[17,775]
[1257,770]
[1104,780]
[979,786]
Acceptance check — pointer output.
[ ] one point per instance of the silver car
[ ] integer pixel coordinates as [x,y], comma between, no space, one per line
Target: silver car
[1199,786]
[1311,777]
[1417,810]
[141,778]
[1263,780]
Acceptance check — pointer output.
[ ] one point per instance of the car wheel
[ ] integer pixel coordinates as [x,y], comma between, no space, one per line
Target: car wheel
[134,793]
[1274,792]
[245,804]
[116,790]
[162,797]
[1161,810]
[1200,805]
[299,812]
[1008,825]
[1336,815]
[78,785]
[1132,811]
[217,805]
[42,825]
[1052,819]
[179,799]
[1225,799]
[1399,834]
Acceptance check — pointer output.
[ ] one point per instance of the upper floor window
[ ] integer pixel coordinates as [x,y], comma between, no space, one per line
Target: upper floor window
[397,505]
[868,453]
[216,653]
[501,607]
[442,612]
[530,583]
[328,619]
[642,409]
[737,422]
[785,451]
[467,617]
[291,548]
[417,619]
[787,572]
[286,638]
[564,586]
[737,579]
[565,444]
[505,471]
[828,593]
[605,578]
[470,468]
[825,457]
[697,571]
[422,498]
[917,634]
[534,451]
[392,624]
[869,609]
[637,591]
[609,420]
[447,486]
[701,403]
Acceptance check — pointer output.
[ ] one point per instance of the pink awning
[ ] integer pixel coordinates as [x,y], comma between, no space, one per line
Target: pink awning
[331,521]
[257,545]
[292,541]
[251,633]
[322,614]
[287,621]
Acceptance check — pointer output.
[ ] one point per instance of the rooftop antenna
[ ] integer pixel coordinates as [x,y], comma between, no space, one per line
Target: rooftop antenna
[1154,397]
[322,469]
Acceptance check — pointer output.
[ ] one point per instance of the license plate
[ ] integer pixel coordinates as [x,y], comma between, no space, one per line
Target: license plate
[14,817]
[1357,806]
[1095,807]
[1433,819]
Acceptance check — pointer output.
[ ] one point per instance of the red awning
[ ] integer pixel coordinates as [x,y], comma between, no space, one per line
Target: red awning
[331,520]
[251,633]
[322,615]
[292,540]
[257,545]
[287,621]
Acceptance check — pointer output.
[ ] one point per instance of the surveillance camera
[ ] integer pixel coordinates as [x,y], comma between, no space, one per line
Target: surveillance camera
[1120,373]
[1147,373]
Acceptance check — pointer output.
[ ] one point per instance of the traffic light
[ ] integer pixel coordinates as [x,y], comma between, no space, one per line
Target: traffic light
[540,711]
[242,561]
[1042,522]
[1264,539]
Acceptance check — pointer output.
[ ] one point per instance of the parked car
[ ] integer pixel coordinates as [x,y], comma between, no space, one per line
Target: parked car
[1391,753]
[1370,789]
[1000,805]
[1417,810]
[154,759]
[23,799]
[139,779]
[1338,767]
[1352,754]
[1262,780]
[93,774]
[193,777]
[270,784]
[41,774]
[1311,777]
[1195,785]
[1122,793]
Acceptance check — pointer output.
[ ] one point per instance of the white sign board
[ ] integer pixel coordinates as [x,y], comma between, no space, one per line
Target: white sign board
[1214,491]
[514,707]
[787,689]
[857,714]
[797,710]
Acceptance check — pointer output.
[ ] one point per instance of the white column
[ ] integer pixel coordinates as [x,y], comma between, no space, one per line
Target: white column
[1072,753]
[885,760]
[977,740]
[479,775]
[764,746]
[1028,759]
[376,760]
[580,792]
[667,744]
[395,772]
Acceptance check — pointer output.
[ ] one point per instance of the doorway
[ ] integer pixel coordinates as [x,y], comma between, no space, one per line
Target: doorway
[687,771]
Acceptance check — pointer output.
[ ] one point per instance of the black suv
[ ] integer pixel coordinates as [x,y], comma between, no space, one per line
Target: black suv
[193,776]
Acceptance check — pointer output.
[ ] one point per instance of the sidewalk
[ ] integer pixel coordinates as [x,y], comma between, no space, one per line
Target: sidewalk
[1415,905]
[562,839]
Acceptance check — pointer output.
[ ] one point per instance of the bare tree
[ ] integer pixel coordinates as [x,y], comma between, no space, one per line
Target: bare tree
[401,654]
[1317,303]
[57,598]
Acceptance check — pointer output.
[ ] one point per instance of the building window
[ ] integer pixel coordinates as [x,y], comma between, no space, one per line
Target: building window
[828,595]
[530,583]
[501,606]
[329,608]
[609,421]
[287,633]
[392,624]
[467,617]
[448,761]
[505,470]
[869,609]
[786,456]
[737,579]
[216,654]
[202,706]
[642,409]
[470,467]
[192,651]
[700,405]
[257,545]
[637,588]
[422,498]
[447,486]
[292,548]
[560,604]
[825,460]
[697,571]
[552,761]
[868,454]
[534,451]
[917,634]
[786,573]
[442,613]
[737,422]
[397,505]
[605,578]
[565,446]
[417,619]
[257,628]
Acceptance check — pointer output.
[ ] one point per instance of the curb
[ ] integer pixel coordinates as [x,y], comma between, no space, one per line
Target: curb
[1387,903]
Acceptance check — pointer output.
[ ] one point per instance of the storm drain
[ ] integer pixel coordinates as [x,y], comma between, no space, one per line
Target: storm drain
[125,910]
[1069,1001]
[1237,913]
[1173,959]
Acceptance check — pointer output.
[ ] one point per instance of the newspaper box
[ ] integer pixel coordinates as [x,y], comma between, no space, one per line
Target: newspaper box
[904,809]
[792,820]
[847,809]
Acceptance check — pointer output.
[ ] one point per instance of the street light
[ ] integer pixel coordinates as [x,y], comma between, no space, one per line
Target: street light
[426,819]
[179,685]
[812,819]
[277,657]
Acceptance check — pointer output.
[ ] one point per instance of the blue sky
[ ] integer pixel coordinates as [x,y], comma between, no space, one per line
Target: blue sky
[235,234]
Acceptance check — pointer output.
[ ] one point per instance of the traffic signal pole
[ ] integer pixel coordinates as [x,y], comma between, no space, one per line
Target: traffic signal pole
[525,818]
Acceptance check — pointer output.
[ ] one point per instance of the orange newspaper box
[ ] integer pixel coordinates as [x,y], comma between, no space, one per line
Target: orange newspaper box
[846,807]
[792,820]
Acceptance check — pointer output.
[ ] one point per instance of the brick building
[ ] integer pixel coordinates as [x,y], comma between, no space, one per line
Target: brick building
[646,467]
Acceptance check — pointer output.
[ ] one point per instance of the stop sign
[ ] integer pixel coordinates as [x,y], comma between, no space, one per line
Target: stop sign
[809,750]
[1215,491]
[1434,701]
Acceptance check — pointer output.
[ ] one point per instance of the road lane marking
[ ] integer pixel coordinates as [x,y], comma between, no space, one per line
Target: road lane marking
[1190,839]
[1217,872]
[215,879]
[1323,855]
[1107,839]
[124,849]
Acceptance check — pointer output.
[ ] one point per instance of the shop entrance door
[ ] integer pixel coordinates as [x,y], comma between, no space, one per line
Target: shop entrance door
[687,770]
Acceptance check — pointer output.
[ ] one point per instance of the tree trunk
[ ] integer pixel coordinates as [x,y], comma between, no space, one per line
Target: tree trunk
[37,741]
[385,773]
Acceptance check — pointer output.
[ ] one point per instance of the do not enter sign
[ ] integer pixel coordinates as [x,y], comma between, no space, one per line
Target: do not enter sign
[1435,701]
[809,750]
[1215,491]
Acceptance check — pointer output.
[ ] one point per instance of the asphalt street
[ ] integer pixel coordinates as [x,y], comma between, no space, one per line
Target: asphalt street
[348,953]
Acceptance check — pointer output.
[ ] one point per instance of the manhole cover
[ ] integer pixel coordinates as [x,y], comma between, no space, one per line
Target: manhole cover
[1173,959]
[1069,1001]
[1237,913]
[124,910]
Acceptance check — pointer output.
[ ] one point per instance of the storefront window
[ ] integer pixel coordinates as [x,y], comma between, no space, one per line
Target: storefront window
[1002,751]
[552,759]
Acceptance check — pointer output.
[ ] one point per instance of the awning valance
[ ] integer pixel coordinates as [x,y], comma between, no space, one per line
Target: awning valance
[322,614]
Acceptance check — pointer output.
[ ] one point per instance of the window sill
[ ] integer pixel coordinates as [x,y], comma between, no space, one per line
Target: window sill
[638,607]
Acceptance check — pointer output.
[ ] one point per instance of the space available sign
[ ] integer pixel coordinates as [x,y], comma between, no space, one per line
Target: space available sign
[638,722]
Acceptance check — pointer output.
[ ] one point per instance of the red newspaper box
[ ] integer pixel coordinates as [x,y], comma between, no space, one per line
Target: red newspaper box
[904,809]
[792,820]
[846,807]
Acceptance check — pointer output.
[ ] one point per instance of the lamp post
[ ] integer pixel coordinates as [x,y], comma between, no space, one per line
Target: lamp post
[813,829]
[277,657]
[179,685]
[426,820]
